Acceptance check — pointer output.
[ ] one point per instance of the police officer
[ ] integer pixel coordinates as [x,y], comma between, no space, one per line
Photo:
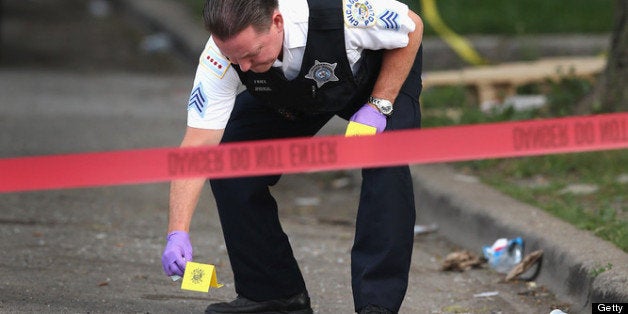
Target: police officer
[302,62]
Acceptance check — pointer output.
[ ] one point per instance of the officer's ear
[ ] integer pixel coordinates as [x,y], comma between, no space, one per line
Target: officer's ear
[277,20]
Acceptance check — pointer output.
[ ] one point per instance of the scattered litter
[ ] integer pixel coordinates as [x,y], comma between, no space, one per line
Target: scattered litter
[307,201]
[580,189]
[516,102]
[104,283]
[423,229]
[175,277]
[525,102]
[486,294]
[535,182]
[534,290]
[504,254]
[529,261]
[557,311]
[340,183]
[461,261]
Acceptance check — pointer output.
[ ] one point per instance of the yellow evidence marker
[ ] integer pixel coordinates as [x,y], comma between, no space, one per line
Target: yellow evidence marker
[199,277]
[355,128]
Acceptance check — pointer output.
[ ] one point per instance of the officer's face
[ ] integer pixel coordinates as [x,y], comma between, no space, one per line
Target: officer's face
[253,50]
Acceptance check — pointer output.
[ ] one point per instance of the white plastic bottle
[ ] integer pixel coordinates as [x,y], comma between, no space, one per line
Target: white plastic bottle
[505,254]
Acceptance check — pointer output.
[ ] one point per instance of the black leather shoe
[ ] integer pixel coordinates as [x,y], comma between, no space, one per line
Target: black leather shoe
[297,304]
[374,309]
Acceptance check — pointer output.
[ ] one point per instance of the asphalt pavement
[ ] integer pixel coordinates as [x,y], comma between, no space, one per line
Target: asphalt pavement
[98,249]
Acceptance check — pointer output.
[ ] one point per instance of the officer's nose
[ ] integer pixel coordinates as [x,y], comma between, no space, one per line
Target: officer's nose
[245,65]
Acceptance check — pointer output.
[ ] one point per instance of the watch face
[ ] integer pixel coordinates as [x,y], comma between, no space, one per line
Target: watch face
[384,106]
[386,109]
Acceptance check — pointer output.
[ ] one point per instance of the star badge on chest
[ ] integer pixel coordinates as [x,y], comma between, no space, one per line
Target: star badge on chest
[322,72]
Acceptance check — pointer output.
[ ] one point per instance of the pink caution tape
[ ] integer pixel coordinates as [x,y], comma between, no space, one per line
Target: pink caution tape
[446,144]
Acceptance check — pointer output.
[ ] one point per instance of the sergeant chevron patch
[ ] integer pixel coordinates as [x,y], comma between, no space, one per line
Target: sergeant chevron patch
[389,20]
[198,100]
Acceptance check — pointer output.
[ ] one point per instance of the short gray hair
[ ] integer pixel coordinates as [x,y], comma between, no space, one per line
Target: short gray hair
[226,18]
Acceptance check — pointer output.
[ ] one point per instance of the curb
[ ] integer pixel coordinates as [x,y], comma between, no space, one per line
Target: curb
[468,213]
[471,214]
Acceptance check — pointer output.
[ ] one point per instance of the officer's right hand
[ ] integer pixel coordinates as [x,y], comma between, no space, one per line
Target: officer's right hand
[366,121]
[177,253]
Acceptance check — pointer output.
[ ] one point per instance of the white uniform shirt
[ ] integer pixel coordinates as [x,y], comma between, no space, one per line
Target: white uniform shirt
[369,24]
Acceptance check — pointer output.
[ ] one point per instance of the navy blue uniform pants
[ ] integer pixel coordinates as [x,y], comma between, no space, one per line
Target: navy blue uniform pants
[259,251]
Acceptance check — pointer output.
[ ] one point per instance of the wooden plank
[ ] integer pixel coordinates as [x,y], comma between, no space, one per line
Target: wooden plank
[488,81]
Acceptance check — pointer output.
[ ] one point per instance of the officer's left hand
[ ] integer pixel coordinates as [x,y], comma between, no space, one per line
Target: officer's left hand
[369,116]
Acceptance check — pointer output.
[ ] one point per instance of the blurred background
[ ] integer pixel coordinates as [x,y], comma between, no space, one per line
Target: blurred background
[81,35]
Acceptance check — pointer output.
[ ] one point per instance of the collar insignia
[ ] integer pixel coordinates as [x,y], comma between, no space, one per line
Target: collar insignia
[322,72]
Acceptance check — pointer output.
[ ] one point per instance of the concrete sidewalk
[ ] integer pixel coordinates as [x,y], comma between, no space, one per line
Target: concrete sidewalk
[469,213]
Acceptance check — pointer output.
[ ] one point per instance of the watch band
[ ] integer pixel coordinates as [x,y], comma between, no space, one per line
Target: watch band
[383,105]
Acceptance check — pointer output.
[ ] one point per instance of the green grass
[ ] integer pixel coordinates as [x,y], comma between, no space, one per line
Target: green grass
[540,181]
[514,17]
[523,17]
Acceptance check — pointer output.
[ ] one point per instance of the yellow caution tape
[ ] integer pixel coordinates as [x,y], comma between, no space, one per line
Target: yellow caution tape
[460,45]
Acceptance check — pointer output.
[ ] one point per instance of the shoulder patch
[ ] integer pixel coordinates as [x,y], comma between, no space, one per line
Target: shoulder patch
[358,13]
[389,20]
[198,100]
[214,62]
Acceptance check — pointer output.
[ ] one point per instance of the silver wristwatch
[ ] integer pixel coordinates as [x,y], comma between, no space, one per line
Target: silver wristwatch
[383,105]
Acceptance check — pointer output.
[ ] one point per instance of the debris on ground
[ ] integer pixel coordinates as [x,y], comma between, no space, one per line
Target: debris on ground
[461,261]
[486,294]
[504,254]
[423,229]
[526,264]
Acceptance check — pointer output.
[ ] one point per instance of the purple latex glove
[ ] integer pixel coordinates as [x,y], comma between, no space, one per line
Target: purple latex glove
[178,251]
[371,117]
